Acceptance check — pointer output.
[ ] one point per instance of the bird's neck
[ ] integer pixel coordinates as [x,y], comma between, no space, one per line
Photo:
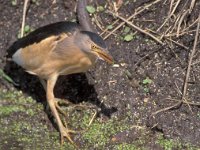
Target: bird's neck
[92,57]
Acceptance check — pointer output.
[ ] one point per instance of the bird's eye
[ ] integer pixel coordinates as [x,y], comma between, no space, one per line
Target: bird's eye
[94,47]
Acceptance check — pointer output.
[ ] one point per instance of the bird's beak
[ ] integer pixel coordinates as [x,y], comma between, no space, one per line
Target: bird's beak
[104,55]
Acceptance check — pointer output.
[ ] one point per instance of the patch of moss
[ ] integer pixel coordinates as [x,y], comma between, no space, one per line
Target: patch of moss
[15,97]
[169,144]
[24,129]
[99,134]
[30,135]
[15,101]
[7,110]
[125,146]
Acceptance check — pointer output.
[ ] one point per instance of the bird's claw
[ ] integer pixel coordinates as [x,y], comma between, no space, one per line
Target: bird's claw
[65,133]
[60,102]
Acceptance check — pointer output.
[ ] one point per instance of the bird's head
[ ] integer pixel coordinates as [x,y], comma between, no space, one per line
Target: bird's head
[90,42]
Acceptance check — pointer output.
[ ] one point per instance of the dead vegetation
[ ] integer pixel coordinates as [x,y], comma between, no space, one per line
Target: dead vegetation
[178,23]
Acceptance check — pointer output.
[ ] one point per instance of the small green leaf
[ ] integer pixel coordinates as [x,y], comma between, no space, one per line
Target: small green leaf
[73,20]
[5,76]
[19,35]
[100,8]
[128,37]
[14,2]
[147,81]
[109,27]
[198,115]
[146,90]
[90,9]
[126,3]
[27,28]
[127,29]
[33,1]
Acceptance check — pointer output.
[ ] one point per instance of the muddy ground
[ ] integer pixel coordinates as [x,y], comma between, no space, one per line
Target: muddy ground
[119,91]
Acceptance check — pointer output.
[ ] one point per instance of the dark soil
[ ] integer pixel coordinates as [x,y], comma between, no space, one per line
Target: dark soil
[117,89]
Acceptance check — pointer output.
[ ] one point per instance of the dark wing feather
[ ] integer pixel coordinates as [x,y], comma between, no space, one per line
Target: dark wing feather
[42,33]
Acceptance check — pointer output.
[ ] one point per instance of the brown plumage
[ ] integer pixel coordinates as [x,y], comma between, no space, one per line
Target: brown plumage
[58,49]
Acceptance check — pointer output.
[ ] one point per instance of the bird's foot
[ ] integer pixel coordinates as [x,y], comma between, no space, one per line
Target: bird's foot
[59,103]
[65,102]
[65,133]
[83,107]
[72,107]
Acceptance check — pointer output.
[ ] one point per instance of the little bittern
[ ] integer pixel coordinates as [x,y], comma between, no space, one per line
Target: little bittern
[59,49]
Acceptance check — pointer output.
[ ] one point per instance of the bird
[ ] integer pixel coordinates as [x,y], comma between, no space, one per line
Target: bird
[57,49]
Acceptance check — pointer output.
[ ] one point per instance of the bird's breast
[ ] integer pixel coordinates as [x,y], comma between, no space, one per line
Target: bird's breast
[79,65]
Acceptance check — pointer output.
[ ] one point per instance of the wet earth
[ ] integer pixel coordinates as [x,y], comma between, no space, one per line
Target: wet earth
[145,78]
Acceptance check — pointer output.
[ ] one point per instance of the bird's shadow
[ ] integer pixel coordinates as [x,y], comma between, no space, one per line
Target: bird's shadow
[74,88]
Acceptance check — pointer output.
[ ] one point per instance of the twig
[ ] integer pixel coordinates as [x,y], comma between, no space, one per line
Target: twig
[167,38]
[180,34]
[163,34]
[180,22]
[190,25]
[192,5]
[24,17]
[178,90]
[167,108]
[96,20]
[93,117]
[171,6]
[169,16]
[195,63]
[177,43]
[136,27]
[106,30]
[176,105]
[190,59]
[190,103]
[183,99]
[132,16]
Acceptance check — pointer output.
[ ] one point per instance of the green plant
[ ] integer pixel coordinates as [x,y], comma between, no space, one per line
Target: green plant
[146,82]
[14,2]
[126,29]
[128,37]
[126,146]
[6,77]
[27,30]
[100,8]
[109,27]
[90,9]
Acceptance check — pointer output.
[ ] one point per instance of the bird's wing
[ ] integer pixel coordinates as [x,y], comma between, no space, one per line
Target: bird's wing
[43,33]
[35,55]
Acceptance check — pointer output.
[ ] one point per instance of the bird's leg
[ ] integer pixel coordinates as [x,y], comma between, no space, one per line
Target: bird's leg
[57,100]
[65,102]
[64,131]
